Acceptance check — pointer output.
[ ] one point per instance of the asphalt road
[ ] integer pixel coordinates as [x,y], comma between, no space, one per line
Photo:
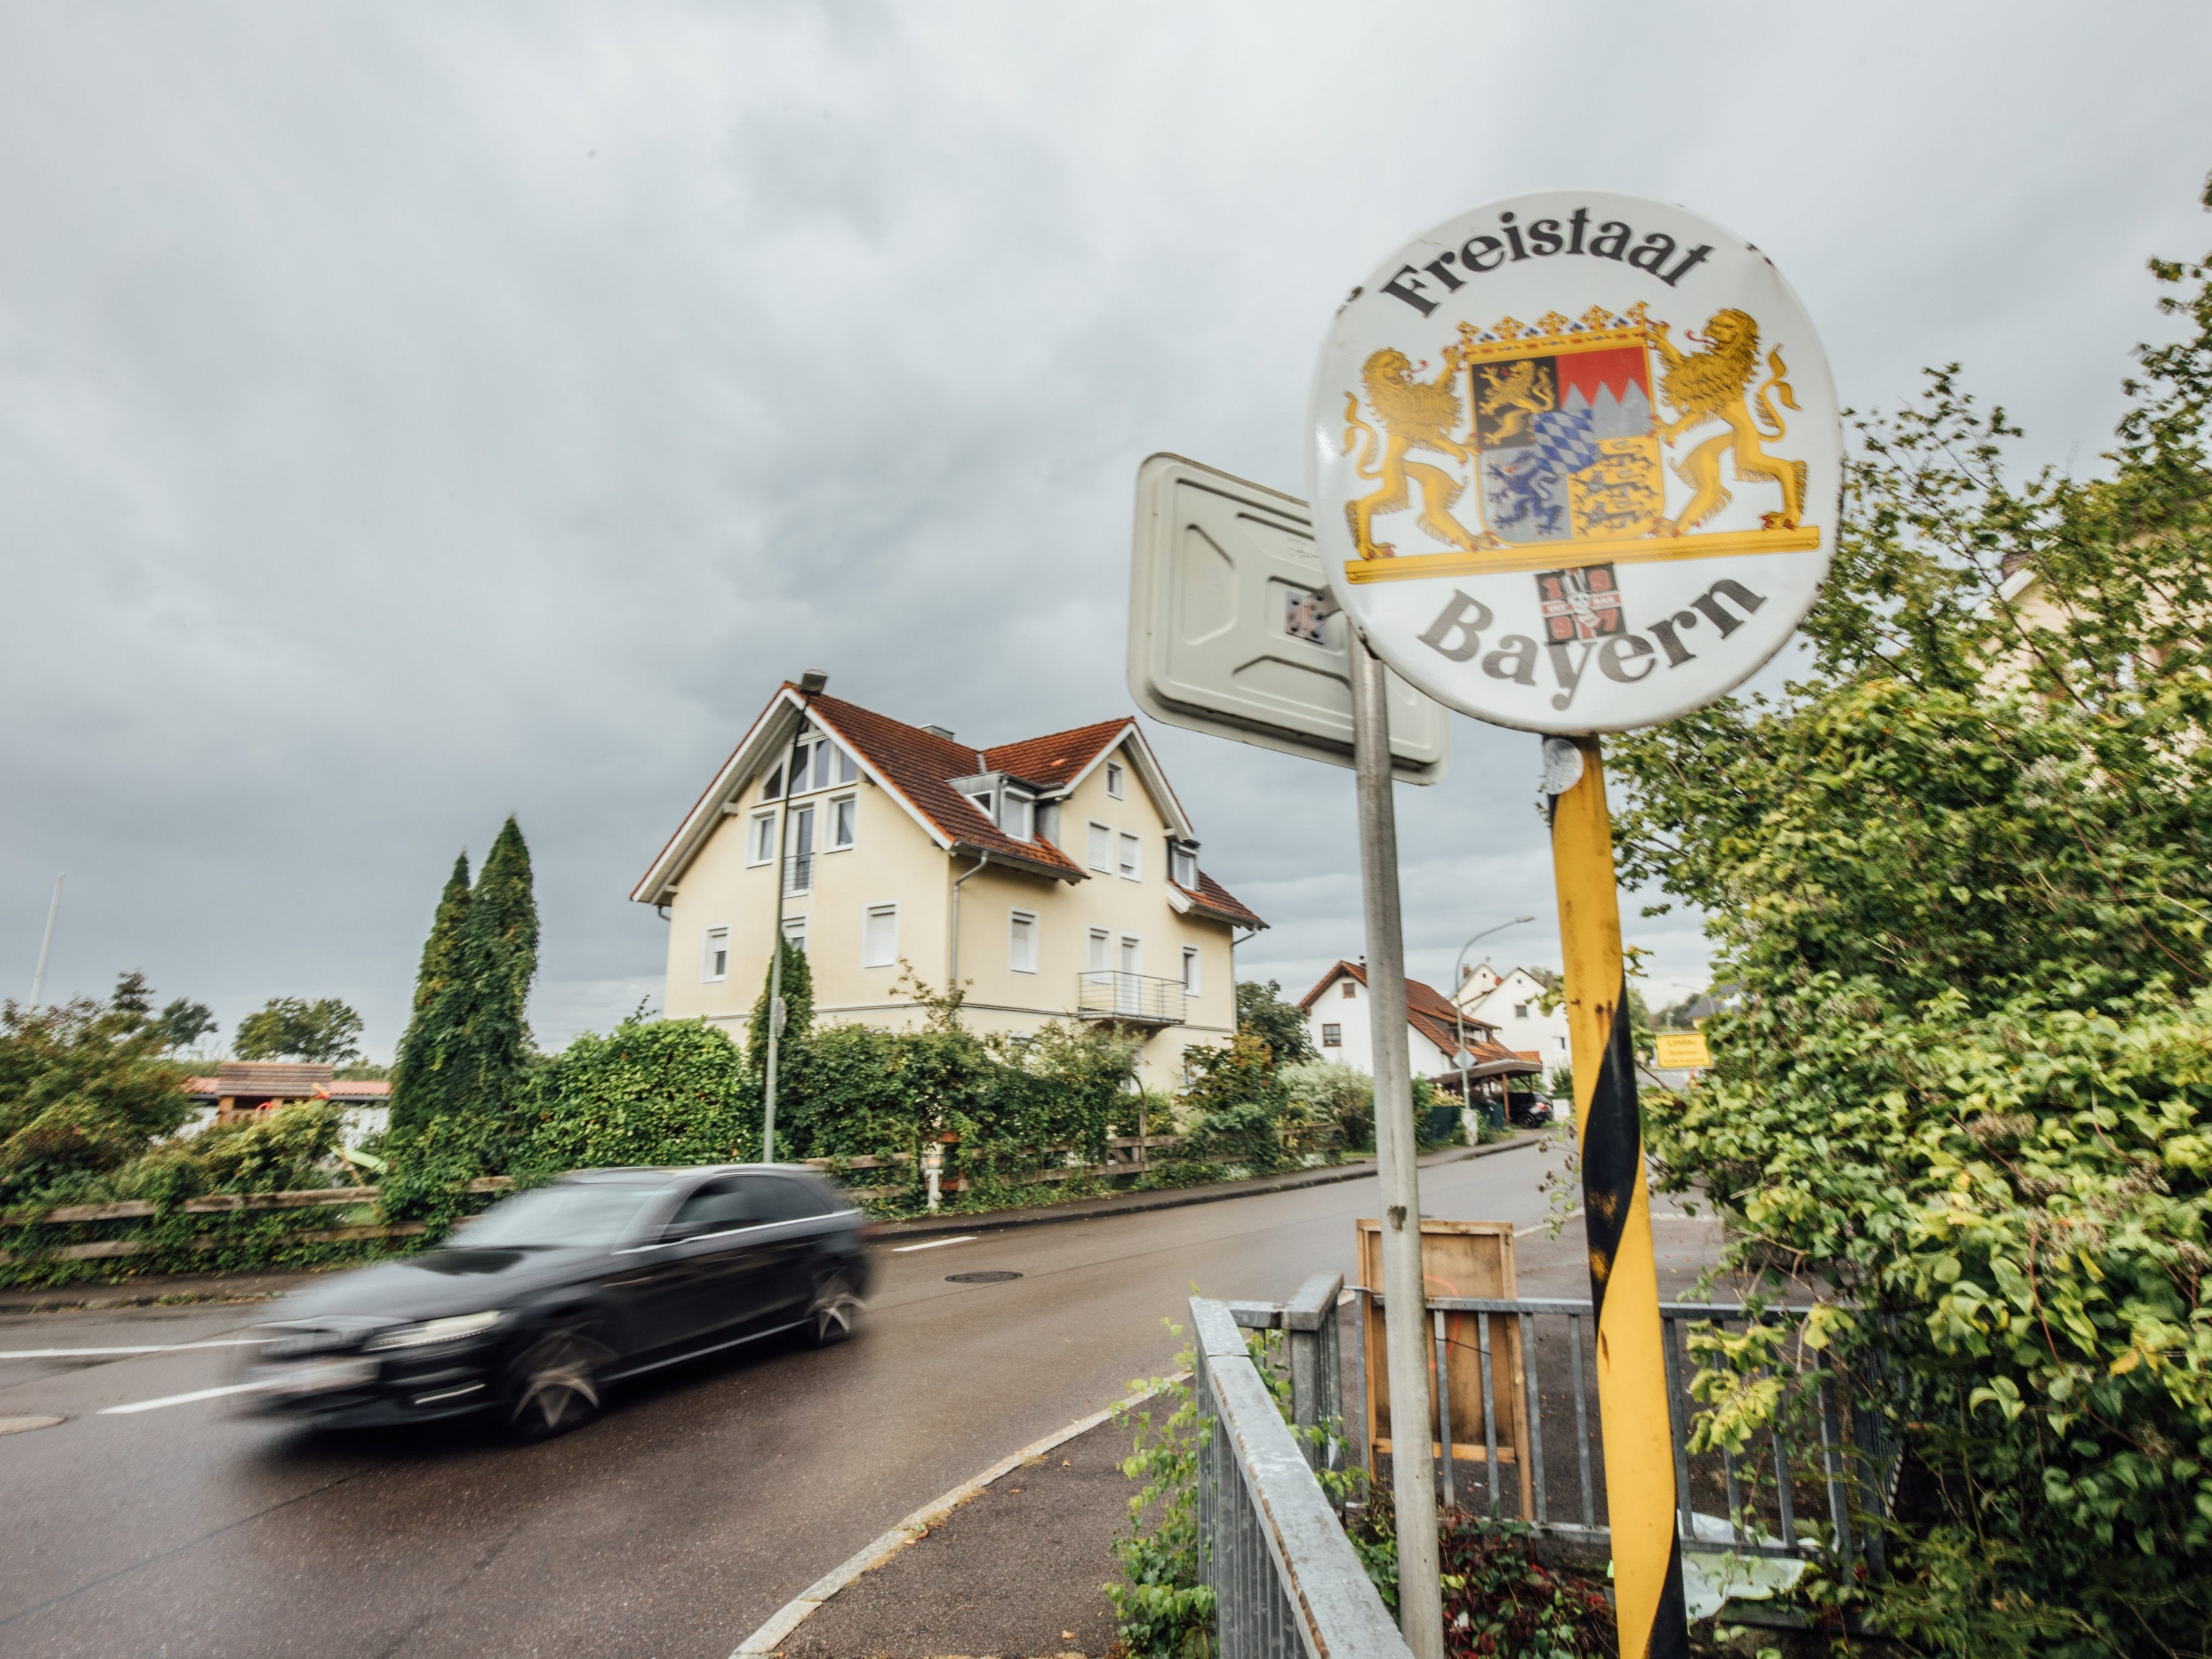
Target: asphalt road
[674,1526]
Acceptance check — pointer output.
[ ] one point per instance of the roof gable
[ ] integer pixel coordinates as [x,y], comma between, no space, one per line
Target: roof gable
[1428,1011]
[916,767]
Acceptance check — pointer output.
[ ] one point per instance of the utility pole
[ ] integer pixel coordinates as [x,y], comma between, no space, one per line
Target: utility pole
[1459,1007]
[46,944]
[1413,1474]
[809,686]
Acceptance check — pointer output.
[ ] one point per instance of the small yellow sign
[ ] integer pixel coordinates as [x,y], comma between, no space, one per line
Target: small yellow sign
[1675,1049]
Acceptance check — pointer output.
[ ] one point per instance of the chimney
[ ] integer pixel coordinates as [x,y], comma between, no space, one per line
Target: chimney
[944,732]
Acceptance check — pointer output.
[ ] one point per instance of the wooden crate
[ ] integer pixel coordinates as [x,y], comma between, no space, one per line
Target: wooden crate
[1458,1258]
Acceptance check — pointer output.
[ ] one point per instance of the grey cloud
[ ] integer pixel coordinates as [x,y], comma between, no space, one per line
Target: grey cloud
[411,415]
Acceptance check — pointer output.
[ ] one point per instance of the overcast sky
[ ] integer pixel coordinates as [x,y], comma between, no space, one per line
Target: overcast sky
[412,415]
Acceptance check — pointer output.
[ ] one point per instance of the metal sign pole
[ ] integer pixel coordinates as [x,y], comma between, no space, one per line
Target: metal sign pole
[1631,1387]
[1413,1482]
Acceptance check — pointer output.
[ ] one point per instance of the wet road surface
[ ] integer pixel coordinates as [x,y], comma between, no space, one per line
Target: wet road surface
[705,1497]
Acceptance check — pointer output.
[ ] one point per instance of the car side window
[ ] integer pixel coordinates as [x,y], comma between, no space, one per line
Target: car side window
[775,1199]
[717,1206]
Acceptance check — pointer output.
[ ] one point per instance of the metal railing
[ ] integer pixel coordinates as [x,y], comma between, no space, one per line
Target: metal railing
[1757,1505]
[1140,999]
[797,873]
[1287,1583]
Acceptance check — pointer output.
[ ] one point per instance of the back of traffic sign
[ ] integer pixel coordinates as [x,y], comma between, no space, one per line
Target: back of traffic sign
[1232,631]
[1576,461]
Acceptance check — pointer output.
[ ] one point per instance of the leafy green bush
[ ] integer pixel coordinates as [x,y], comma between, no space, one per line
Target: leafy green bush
[1161,1610]
[1328,1093]
[1961,871]
[660,1091]
[288,1147]
[84,1090]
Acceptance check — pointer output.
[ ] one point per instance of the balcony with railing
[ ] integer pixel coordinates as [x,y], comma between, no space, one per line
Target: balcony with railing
[797,873]
[1106,993]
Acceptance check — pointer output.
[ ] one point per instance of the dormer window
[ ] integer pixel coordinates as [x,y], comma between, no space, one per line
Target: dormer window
[1182,864]
[1018,814]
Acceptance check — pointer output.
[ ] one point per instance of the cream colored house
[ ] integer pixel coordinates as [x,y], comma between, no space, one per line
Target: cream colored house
[1056,878]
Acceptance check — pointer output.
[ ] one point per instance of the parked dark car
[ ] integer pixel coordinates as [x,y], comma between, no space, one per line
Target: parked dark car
[1527,1111]
[531,1310]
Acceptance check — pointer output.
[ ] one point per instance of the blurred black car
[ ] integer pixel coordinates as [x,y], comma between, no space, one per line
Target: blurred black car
[531,1310]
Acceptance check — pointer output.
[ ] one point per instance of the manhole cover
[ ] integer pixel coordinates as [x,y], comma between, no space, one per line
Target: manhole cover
[23,1424]
[998,1278]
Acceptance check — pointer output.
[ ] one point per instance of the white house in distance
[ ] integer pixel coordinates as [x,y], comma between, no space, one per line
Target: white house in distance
[1513,1002]
[1055,877]
[1341,1027]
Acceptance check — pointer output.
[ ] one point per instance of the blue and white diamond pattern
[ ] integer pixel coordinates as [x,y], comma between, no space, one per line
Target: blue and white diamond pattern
[1563,438]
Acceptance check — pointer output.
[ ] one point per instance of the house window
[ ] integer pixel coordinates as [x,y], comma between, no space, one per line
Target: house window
[983,803]
[1351,991]
[1101,947]
[1017,815]
[879,936]
[1519,1010]
[1132,852]
[794,929]
[1182,866]
[1021,942]
[1132,954]
[714,966]
[1190,969]
[815,761]
[774,787]
[799,852]
[760,839]
[1101,847]
[844,814]
[1332,1037]
[1113,779]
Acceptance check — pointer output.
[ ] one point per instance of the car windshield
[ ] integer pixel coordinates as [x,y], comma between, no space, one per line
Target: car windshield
[575,1213]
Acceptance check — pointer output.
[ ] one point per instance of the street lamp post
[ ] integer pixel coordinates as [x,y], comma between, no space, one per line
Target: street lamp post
[1458,1008]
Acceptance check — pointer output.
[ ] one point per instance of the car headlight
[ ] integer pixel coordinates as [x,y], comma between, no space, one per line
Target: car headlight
[450,1329]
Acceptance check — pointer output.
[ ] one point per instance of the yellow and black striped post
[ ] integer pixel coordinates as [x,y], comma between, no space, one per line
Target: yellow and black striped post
[1632,1378]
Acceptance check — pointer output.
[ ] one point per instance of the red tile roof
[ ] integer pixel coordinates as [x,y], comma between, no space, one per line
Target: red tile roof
[1428,1011]
[1054,759]
[1212,899]
[921,765]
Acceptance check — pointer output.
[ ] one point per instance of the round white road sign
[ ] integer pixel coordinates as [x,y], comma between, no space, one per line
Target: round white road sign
[1576,461]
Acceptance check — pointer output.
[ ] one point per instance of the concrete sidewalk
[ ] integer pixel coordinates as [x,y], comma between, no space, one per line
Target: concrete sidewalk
[1014,1573]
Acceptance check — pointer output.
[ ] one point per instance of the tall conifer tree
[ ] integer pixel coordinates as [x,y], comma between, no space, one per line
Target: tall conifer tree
[416,1091]
[486,1035]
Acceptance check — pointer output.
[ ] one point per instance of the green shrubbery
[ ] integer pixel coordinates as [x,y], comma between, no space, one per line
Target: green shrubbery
[1961,871]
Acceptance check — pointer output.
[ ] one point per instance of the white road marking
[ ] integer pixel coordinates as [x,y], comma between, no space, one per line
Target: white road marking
[176,1398]
[170,1347]
[933,1245]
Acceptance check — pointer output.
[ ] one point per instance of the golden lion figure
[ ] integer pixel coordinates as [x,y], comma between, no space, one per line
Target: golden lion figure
[1710,384]
[1416,415]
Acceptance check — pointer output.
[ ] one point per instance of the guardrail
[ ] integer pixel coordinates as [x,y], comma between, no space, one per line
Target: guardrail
[1285,1581]
[1761,1502]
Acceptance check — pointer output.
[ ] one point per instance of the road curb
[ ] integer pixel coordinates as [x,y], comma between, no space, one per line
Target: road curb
[1176,1199]
[795,1612]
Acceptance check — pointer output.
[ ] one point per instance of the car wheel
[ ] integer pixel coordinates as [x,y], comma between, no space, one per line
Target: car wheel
[835,1313]
[553,1386]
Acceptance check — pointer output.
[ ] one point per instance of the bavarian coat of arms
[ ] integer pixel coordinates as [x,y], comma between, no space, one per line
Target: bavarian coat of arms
[1565,430]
